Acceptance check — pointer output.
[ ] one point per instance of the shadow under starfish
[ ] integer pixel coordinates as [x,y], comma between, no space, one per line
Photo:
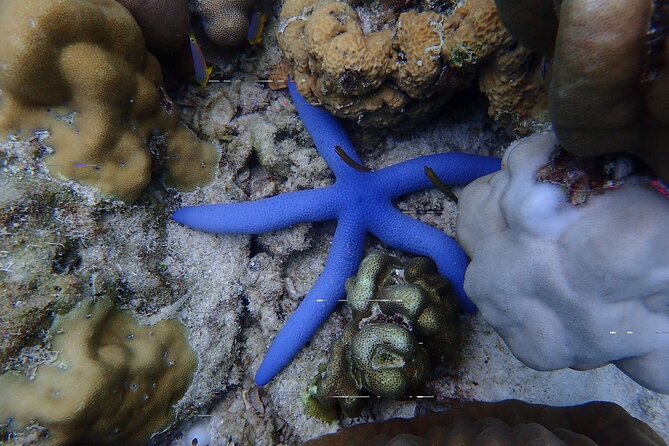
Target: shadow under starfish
[361,201]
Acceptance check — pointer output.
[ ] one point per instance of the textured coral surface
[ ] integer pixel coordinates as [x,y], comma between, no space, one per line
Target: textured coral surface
[110,380]
[80,70]
[609,84]
[59,243]
[404,323]
[607,304]
[226,22]
[511,422]
[383,66]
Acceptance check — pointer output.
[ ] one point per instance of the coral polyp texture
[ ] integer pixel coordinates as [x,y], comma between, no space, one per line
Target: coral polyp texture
[226,22]
[362,202]
[569,285]
[511,422]
[606,95]
[111,381]
[80,70]
[404,322]
[396,67]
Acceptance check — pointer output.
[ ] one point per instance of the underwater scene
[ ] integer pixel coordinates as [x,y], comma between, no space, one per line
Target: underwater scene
[334,222]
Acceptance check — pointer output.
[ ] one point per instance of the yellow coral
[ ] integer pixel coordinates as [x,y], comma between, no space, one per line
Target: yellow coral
[393,72]
[80,70]
[350,62]
[475,33]
[113,381]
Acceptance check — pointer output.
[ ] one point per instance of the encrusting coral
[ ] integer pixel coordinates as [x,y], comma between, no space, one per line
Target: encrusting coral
[113,381]
[404,321]
[569,275]
[226,22]
[80,70]
[407,64]
[605,94]
[511,422]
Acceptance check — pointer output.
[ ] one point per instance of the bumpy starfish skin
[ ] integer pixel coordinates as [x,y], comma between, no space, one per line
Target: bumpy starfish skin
[361,202]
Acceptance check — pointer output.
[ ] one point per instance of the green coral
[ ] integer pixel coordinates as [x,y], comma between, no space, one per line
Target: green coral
[404,320]
[112,381]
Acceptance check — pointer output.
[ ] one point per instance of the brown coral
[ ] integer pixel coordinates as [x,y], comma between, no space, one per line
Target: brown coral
[164,23]
[111,381]
[226,22]
[510,422]
[609,79]
[398,70]
[80,70]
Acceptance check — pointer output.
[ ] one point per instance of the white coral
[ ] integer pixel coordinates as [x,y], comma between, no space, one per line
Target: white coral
[569,286]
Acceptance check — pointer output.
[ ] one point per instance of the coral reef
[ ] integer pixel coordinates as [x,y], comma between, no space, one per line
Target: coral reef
[226,22]
[361,202]
[164,24]
[404,322]
[111,380]
[607,304]
[403,66]
[81,71]
[510,422]
[605,94]
[87,247]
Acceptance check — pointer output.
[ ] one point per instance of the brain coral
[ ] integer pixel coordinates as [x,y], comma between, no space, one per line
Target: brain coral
[112,382]
[402,66]
[403,320]
[609,83]
[569,285]
[80,70]
[226,22]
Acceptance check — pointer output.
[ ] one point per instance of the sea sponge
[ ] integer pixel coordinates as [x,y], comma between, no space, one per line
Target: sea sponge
[568,284]
[510,422]
[164,23]
[404,319]
[80,70]
[112,382]
[397,67]
[607,94]
[226,22]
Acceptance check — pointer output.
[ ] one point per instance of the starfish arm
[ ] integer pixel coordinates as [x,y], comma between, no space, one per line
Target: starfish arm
[327,132]
[264,215]
[409,235]
[452,168]
[343,261]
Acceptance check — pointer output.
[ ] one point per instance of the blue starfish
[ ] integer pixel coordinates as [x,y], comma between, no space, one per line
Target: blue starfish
[361,202]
